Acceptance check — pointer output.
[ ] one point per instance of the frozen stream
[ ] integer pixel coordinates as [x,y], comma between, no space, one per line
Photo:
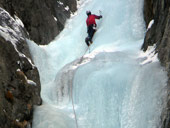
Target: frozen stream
[116,85]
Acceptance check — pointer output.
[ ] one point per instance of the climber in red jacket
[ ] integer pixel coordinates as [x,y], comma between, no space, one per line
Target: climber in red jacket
[91,26]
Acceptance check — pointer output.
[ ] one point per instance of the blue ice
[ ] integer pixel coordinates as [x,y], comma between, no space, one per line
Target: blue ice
[109,86]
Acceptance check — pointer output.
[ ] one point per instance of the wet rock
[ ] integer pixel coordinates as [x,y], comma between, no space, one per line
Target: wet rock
[159,34]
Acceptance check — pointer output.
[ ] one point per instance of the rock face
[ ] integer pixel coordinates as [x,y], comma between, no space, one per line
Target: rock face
[159,34]
[42,19]
[19,78]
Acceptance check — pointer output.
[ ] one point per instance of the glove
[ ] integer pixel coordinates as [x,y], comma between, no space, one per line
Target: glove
[100,16]
[94,25]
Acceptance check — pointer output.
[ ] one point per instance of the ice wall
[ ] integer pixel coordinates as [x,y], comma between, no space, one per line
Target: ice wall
[112,86]
[114,90]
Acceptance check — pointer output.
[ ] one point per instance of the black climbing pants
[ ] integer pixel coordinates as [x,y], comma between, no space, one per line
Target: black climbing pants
[91,31]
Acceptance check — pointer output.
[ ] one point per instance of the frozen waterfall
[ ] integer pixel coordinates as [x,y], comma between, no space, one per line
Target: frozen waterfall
[116,85]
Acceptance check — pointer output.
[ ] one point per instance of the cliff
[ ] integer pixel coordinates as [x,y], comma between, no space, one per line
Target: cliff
[19,78]
[41,21]
[159,33]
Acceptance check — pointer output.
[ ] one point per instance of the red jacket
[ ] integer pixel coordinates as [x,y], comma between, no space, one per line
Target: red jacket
[91,19]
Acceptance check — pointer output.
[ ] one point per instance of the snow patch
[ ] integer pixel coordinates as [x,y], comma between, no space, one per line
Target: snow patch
[18,70]
[15,26]
[150,55]
[19,21]
[12,33]
[30,82]
[150,24]
[18,62]
[55,18]
[7,33]
[24,56]
[67,8]
[60,2]
[33,66]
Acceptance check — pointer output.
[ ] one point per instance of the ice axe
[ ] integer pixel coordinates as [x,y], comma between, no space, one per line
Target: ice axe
[100,12]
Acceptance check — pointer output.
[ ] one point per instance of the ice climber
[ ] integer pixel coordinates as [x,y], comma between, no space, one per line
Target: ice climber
[91,26]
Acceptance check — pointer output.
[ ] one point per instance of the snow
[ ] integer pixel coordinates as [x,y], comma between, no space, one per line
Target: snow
[150,55]
[67,8]
[18,70]
[150,24]
[18,62]
[13,33]
[55,18]
[19,21]
[15,26]
[30,82]
[29,60]
[60,2]
[6,33]
[116,85]
[11,36]
[21,73]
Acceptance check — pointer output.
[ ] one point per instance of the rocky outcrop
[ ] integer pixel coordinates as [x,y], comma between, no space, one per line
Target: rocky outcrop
[159,34]
[43,19]
[19,78]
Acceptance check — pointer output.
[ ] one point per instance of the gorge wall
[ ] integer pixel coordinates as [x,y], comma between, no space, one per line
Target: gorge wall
[159,34]
[42,19]
[38,20]
[19,78]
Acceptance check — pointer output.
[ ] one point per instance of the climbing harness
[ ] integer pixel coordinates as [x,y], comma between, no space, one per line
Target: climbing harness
[81,59]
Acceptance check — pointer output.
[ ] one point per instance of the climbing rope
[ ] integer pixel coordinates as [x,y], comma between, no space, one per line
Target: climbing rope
[81,59]
[74,107]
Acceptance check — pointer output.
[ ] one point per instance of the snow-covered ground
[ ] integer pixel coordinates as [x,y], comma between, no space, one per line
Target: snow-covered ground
[113,86]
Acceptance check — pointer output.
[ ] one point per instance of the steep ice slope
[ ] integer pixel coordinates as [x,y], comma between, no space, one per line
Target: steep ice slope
[112,86]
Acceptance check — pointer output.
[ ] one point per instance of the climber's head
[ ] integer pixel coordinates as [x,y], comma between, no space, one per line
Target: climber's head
[88,13]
